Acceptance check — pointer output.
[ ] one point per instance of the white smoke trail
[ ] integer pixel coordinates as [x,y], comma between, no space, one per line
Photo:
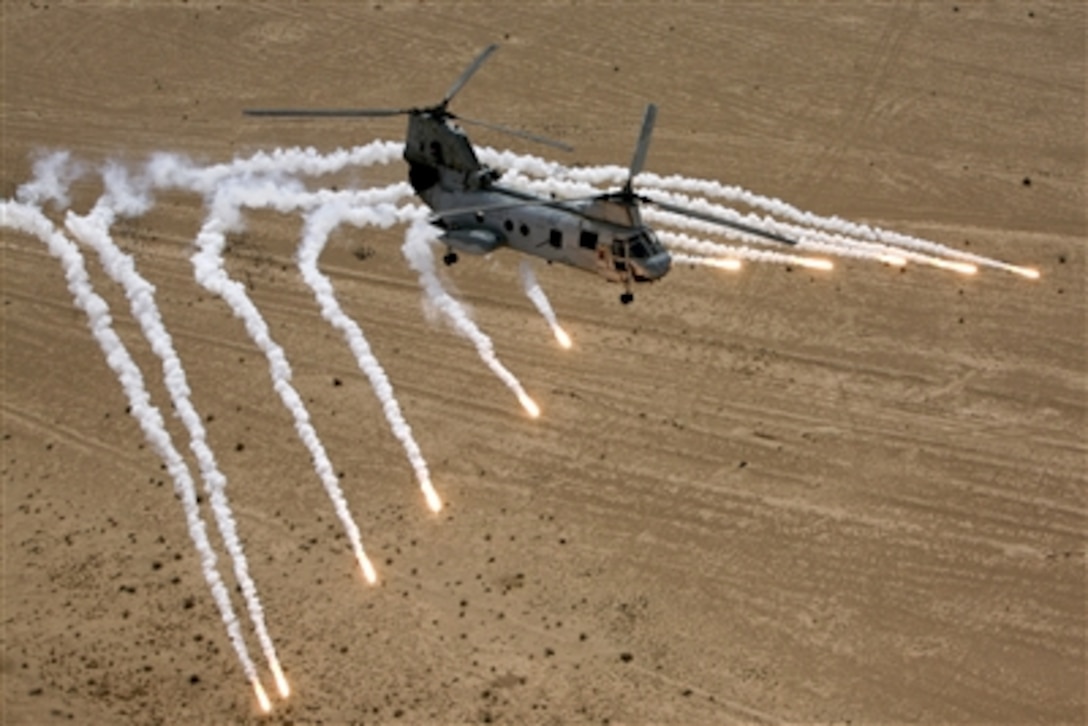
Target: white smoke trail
[814,225]
[318,226]
[807,239]
[812,240]
[712,250]
[93,230]
[543,305]
[53,175]
[909,247]
[174,171]
[832,223]
[208,265]
[30,219]
[417,251]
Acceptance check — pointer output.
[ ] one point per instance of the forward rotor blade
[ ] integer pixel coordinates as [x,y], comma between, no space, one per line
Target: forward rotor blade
[643,145]
[515,132]
[714,219]
[326,112]
[467,74]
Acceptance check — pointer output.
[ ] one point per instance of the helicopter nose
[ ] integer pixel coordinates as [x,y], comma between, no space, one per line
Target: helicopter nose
[658,265]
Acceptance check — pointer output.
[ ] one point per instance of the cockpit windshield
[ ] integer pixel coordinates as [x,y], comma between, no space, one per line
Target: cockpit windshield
[644,244]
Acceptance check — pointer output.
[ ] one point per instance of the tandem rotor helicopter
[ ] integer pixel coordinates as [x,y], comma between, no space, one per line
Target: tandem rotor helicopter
[603,234]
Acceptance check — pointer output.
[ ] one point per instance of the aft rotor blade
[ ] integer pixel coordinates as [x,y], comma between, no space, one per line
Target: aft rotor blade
[714,219]
[515,132]
[473,67]
[643,145]
[326,112]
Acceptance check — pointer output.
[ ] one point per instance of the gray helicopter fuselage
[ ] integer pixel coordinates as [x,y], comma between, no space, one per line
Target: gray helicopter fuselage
[479,216]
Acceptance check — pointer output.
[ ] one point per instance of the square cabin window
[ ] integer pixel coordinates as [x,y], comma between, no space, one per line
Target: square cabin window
[588,240]
[555,238]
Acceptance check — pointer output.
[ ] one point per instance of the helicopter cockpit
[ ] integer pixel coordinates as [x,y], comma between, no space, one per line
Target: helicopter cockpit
[644,252]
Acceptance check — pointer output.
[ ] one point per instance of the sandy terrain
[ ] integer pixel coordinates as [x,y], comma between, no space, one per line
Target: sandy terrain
[765,497]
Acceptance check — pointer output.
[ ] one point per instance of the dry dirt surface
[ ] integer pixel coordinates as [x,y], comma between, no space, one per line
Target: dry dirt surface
[772,496]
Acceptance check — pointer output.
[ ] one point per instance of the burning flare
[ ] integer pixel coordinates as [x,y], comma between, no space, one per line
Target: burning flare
[365,565]
[1027,272]
[529,405]
[433,500]
[540,300]
[964,268]
[262,697]
[815,264]
[281,680]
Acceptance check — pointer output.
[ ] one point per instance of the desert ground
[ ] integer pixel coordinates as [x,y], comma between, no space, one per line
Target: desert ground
[769,496]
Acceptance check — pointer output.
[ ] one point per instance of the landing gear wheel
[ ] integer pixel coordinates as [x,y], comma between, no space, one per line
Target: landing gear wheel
[450,258]
[627,298]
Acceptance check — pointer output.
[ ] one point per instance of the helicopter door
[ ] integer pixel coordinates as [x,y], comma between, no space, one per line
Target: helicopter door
[619,256]
[588,241]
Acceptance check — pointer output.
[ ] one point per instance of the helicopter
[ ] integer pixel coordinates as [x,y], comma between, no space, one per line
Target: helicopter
[603,234]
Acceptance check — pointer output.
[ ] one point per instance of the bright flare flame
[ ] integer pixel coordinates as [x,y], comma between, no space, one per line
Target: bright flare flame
[1026,272]
[262,697]
[721,263]
[367,568]
[281,680]
[529,405]
[562,337]
[433,501]
[964,268]
[815,264]
[894,260]
[725,263]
